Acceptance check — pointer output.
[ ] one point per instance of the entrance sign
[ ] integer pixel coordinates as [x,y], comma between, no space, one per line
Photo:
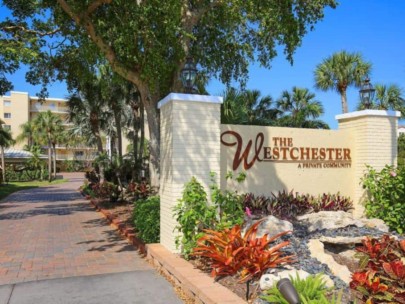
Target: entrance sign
[194,143]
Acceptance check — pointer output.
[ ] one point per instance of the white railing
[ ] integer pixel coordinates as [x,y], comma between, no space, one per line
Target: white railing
[43,108]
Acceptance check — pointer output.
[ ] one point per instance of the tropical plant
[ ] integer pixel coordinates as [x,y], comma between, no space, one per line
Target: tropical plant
[229,252]
[47,127]
[340,71]
[6,140]
[331,202]
[381,278]
[106,190]
[247,108]
[312,289]
[146,217]
[35,162]
[387,97]
[386,195]
[300,109]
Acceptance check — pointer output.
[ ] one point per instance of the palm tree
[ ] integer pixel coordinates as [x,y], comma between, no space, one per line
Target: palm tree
[47,126]
[27,133]
[340,71]
[300,109]
[6,140]
[247,108]
[387,97]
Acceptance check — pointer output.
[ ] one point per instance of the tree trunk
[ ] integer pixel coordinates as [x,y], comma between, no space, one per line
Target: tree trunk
[344,101]
[3,165]
[117,118]
[54,160]
[154,141]
[142,127]
[49,161]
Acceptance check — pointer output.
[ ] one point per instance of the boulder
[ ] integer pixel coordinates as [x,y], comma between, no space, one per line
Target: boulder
[329,220]
[268,280]
[342,240]
[375,223]
[270,225]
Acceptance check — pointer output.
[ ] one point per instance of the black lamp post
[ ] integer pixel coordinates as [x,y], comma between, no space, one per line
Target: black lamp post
[188,75]
[367,92]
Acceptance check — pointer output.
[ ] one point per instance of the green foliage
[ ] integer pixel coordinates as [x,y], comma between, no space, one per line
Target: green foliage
[381,278]
[230,253]
[386,196]
[146,219]
[228,203]
[193,215]
[310,290]
[401,150]
[300,110]
[72,166]
[25,175]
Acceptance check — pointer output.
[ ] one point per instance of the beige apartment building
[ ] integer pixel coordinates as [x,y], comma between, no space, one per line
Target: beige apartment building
[19,107]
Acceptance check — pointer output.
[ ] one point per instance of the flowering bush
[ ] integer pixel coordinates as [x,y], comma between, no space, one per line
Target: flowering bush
[386,196]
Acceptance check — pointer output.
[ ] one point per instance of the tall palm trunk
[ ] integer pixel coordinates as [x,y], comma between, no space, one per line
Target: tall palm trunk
[54,159]
[3,166]
[343,98]
[117,118]
[49,161]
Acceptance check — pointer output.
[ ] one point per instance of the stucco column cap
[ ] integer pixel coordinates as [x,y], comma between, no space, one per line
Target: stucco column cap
[190,97]
[364,113]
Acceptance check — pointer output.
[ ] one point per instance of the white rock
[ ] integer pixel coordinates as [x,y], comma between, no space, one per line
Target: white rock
[268,280]
[329,220]
[317,251]
[341,240]
[270,225]
[375,223]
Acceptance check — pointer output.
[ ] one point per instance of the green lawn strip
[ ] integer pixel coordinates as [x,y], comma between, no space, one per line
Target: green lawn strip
[11,187]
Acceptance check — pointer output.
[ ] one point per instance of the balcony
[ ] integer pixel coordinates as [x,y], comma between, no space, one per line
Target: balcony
[53,109]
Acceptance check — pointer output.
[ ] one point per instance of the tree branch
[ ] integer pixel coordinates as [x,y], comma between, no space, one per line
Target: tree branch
[85,22]
[15,28]
[95,5]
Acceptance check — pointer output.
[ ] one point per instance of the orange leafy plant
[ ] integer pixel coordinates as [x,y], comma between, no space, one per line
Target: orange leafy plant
[231,253]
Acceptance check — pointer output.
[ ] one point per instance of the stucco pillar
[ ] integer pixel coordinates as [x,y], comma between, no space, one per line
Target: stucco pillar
[190,146]
[375,144]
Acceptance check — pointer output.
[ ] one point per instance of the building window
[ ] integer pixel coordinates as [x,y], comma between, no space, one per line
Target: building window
[7,103]
[7,115]
[6,127]
[38,105]
[52,106]
[79,153]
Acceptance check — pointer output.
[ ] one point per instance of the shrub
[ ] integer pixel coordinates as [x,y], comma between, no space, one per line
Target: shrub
[381,278]
[310,290]
[193,215]
[289,205]
[146,219]
[25,175]
[92,176]
[106,190]
[230,253]
[140,190]
[386,197]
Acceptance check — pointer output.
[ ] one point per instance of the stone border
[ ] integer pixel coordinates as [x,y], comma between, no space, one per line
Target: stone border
[193,282]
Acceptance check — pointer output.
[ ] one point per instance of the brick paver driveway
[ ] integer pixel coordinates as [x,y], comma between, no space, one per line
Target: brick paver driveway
[51,232]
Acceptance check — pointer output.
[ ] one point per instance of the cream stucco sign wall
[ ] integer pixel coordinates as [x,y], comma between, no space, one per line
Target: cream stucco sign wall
[194,143]
[303,160]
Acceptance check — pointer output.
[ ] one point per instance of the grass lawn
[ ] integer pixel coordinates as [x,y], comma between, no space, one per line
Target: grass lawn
[7,189]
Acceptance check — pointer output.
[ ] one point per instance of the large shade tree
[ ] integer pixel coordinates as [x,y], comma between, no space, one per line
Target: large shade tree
[340,71]
[300,109]
[147,42]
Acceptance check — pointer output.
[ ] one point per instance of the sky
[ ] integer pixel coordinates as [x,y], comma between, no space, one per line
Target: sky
[374,28]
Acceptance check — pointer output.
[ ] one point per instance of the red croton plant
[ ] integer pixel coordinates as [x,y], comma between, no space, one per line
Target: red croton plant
[381,278]
[231,253]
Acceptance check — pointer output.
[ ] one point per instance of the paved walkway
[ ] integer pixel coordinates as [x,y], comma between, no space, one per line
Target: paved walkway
[52,232]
